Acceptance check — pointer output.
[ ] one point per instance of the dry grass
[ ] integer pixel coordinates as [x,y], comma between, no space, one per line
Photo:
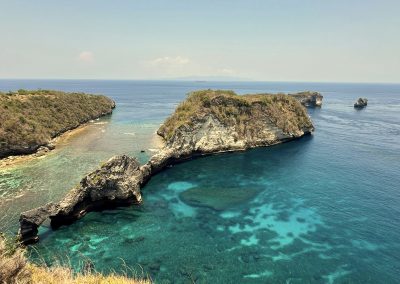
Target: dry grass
[282,110]
[62,275]
[13,264]
[15,269]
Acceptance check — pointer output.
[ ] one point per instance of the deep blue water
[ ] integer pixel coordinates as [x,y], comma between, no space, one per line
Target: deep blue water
[323,209]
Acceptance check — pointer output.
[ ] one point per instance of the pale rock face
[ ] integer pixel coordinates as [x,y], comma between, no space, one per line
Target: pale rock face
[211,136]
[318,101]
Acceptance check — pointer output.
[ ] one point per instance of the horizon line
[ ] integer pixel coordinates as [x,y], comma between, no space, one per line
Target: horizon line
[200,80]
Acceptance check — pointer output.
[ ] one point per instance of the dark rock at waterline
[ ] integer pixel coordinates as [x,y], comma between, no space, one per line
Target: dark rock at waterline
[361,103]
[31,220]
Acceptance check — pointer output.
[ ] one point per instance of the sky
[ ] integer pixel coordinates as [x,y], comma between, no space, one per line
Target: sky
[268,40]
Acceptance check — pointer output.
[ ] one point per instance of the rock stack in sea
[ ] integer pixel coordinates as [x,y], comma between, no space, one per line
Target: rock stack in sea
[207,122]
[361,103]
[309,99]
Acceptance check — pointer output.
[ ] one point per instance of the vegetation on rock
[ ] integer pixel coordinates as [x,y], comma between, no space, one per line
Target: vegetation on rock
[30,119]
[283,111]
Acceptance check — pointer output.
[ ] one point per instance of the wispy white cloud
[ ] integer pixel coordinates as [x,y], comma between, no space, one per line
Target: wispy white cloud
[226,71]
[86,56]
[168,61]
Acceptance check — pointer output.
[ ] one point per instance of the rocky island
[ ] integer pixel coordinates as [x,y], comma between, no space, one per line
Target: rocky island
[309,99]
[361,103]
[207,122]
[29,120]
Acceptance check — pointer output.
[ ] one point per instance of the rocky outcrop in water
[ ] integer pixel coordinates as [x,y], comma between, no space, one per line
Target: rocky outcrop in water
[309,99]
[361,103]
[220,121]
[116,183]
[207,122]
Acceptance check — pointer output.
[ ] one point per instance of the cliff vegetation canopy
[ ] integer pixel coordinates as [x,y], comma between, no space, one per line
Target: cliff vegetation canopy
[30,118]
[283,111]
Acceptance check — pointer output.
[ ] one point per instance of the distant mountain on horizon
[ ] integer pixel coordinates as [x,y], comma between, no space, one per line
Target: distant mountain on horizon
[211,78]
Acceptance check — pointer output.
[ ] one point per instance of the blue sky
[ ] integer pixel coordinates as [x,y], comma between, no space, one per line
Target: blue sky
[308,40]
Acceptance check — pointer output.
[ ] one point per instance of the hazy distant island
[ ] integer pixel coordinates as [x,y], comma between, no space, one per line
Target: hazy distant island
[207,122]
[29,120]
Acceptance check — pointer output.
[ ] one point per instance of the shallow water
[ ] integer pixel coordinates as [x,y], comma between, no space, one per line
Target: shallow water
[323,209]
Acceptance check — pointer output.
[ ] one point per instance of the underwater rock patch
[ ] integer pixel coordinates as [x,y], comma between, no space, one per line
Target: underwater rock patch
[217,198]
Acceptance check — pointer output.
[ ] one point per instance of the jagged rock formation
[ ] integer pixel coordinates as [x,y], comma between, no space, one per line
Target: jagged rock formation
[206,122]
[309,99]
[117,182]
[361,103]
[29,120]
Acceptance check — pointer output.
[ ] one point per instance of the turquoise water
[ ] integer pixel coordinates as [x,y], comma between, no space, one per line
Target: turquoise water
[323,209]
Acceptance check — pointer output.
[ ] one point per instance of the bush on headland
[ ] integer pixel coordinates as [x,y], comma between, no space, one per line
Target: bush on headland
[231,109]
[30,119]
[16,269]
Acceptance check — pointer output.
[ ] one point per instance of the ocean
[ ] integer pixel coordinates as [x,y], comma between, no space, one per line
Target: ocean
[322,209]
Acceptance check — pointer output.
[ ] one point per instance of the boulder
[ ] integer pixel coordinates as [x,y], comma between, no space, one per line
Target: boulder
[361,103]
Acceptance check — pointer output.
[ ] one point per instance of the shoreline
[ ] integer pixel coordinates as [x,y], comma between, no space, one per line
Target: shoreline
[58,141]
[156,144]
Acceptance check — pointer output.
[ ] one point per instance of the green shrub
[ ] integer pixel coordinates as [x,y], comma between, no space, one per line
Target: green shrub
[31,118]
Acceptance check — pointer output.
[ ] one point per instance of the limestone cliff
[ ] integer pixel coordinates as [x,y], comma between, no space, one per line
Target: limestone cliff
[216,121]
[206,122]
